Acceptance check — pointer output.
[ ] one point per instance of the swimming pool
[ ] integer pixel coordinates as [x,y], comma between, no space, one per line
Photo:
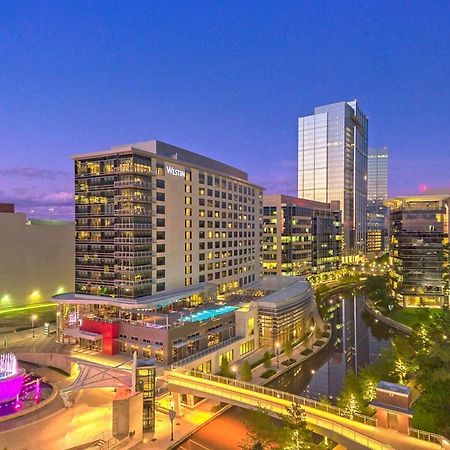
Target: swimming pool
[208,314]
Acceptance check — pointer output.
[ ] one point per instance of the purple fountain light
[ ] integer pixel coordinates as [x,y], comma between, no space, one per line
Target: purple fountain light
[11,378]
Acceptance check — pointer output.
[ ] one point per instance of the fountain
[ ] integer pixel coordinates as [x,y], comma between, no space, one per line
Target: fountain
[11,378]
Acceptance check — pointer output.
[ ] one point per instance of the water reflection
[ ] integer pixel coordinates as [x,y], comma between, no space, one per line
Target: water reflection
[356,341]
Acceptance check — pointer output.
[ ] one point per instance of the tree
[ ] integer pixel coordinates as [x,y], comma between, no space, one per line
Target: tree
[225,369]
[246,372]
[288,349]
[298,441]
[351,406]
[262,433]
[267,360]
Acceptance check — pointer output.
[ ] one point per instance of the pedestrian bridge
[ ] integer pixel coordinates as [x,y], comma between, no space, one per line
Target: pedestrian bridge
[328,420]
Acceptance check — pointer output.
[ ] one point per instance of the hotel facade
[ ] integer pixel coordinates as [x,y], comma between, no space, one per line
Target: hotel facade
[160,233]
[419,249]
[300,236]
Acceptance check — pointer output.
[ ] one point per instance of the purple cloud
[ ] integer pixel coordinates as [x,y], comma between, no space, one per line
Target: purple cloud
[32,173]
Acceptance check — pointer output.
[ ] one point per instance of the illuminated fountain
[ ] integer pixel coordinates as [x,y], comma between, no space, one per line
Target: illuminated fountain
[11,378]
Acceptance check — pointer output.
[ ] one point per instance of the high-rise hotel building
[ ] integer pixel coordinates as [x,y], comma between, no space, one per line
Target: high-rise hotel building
[332,166]
[377,194]
[160,231]
[151,217]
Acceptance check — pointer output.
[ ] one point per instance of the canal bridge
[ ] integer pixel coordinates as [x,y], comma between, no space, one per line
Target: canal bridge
[356,433]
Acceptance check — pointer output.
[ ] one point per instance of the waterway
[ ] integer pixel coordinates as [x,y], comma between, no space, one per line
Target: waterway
[357,340]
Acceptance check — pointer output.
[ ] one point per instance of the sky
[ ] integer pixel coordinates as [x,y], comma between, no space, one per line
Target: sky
[227,79]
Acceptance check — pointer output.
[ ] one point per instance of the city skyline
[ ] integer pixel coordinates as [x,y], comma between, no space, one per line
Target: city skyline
[229,83]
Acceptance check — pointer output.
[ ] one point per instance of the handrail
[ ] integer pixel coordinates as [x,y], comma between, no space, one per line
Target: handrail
[292,398]
[204,352]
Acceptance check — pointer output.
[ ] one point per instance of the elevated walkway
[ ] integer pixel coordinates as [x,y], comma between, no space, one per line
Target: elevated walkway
[360,432]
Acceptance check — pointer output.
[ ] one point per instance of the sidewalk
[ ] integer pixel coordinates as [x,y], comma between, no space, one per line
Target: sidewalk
[182,426]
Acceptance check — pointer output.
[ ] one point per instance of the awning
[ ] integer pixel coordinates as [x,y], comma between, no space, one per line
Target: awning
[179,344]
[194,338]
[156,346]
[77,333]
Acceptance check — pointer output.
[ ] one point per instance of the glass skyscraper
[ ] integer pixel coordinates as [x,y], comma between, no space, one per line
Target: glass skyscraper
[332,165]
[377,194]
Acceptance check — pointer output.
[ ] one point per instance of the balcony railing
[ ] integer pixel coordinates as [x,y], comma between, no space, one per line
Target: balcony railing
[206,351]
[133,226]
[132,255]
[133,240]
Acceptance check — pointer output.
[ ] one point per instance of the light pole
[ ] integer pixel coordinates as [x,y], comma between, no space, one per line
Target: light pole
[277,352]
[33,318]
[172,415]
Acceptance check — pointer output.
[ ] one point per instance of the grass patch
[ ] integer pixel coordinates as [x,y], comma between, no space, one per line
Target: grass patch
[288,362]
[306,352]
[268,373]
[260,361]
[412,316]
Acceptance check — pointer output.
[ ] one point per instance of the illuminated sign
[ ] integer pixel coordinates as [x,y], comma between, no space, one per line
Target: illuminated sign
[176,172]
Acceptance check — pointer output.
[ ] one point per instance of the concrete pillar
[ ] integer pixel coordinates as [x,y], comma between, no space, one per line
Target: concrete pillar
[177,403]
[190,400]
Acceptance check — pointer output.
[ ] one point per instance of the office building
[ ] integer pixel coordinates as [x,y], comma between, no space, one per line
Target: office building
[377,194]
[36,260]
[300,236]
[332,166]
[419,250]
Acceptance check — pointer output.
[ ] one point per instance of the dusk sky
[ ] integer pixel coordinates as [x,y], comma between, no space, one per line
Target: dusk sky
[226,79]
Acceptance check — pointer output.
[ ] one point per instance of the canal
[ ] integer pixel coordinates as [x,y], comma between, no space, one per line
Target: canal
[357,340]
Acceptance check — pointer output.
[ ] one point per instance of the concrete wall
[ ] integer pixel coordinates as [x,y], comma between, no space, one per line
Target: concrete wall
[57,360]
[36,260]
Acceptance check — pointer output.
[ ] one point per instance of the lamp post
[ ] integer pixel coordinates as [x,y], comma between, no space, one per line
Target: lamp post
[277,352]
[172,415]
[33,318]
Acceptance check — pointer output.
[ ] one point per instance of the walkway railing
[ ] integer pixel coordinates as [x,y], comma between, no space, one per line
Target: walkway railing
[204,352]
[291,398]
[425,436]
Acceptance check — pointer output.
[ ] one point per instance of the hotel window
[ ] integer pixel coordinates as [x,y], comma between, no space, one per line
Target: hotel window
[201,178]
[188,246]
[247,347]
[160,248]
[160,273]
[188,258]
[205,367]
[201,278]
[187,175]
[188,234]
[188,212]
[187,188]
[160,184]
[201,191]
[160,287]
[160,235]
[160,222]
[160,197]
[188,223]
[229,355]
[160,261]
[188,270]
[159,169]
[188,200]
[160,209]
[188,281]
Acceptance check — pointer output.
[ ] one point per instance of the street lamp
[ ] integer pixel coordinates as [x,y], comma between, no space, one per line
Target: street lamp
[33,318]
[277,352]
[172,415]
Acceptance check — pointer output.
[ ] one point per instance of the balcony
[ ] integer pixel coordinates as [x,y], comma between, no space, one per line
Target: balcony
[133,212]
[133,240]
[133,255]
[133,226]
[133,184]
[133,269]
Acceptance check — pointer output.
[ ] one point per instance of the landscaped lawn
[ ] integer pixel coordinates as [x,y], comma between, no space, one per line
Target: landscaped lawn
[410,316]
